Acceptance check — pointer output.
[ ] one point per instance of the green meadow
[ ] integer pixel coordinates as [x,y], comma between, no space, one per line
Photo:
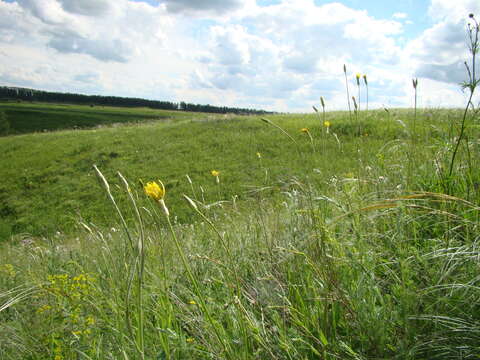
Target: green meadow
[48,180]
[143,234]
[349,241]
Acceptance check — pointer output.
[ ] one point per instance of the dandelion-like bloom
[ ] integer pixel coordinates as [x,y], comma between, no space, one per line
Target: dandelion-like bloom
[215,173]
[155,191]
[304,130]
[358,76]
[259,155]
[327,123]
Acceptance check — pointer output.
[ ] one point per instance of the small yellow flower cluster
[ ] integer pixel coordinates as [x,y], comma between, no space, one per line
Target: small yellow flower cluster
[8,270]
[304,130]
[76,287]
[58,352]
[90,320]
[44,308]
[79,333]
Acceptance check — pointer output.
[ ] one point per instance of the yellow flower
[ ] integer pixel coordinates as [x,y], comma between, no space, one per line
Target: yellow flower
[192,302]
[8,269]
[215,173]
[155,191]
[358,76]
[190,340]
[43,308]
[327,123]
[259,155]
[90,320]
[304,130]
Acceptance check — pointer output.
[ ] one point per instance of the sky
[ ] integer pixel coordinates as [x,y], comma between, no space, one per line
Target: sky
[278,55]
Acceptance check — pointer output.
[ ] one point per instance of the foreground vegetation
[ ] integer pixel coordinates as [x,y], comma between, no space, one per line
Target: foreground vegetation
[347,236]
[347,248]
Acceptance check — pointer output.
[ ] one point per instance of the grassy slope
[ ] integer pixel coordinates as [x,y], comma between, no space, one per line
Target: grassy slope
[39,117]
[317,265]
[48,178]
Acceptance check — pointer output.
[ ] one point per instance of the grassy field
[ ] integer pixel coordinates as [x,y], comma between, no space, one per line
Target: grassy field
[352,242]
[29,117]
[48,181]
[324,236]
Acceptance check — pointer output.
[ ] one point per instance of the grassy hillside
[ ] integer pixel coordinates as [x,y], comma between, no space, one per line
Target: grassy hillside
[48,177]
[354,243]
[352,236]
[28,117]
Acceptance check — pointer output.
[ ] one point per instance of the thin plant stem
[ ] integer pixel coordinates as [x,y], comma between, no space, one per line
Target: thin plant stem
[348,92]
[471,85]
[198,291]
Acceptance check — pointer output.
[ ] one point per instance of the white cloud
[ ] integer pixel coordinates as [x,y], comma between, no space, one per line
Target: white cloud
[400,15]
[192,6]
[439,52]
[231,52]
[86,7]
[453,11]
[267,54]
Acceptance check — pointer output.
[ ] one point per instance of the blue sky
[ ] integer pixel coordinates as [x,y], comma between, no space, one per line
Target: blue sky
[273,54]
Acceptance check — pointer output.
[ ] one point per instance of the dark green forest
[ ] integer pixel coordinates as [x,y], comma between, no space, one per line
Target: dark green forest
[26,94]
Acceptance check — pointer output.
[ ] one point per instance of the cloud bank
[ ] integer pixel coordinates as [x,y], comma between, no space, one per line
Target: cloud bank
[280,57]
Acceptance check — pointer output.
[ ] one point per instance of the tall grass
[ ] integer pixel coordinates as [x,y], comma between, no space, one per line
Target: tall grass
[369,261]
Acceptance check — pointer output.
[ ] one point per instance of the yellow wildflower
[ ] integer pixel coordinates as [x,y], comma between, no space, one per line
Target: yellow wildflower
[8,269]
[154,190]
[80,277]
[43,308]
[90,321]
[190,340]
[259,155]
[327,123]
[215,173]
[304,130]
[192,302]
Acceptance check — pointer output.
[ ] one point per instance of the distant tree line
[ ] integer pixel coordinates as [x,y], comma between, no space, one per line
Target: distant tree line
[25,94]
